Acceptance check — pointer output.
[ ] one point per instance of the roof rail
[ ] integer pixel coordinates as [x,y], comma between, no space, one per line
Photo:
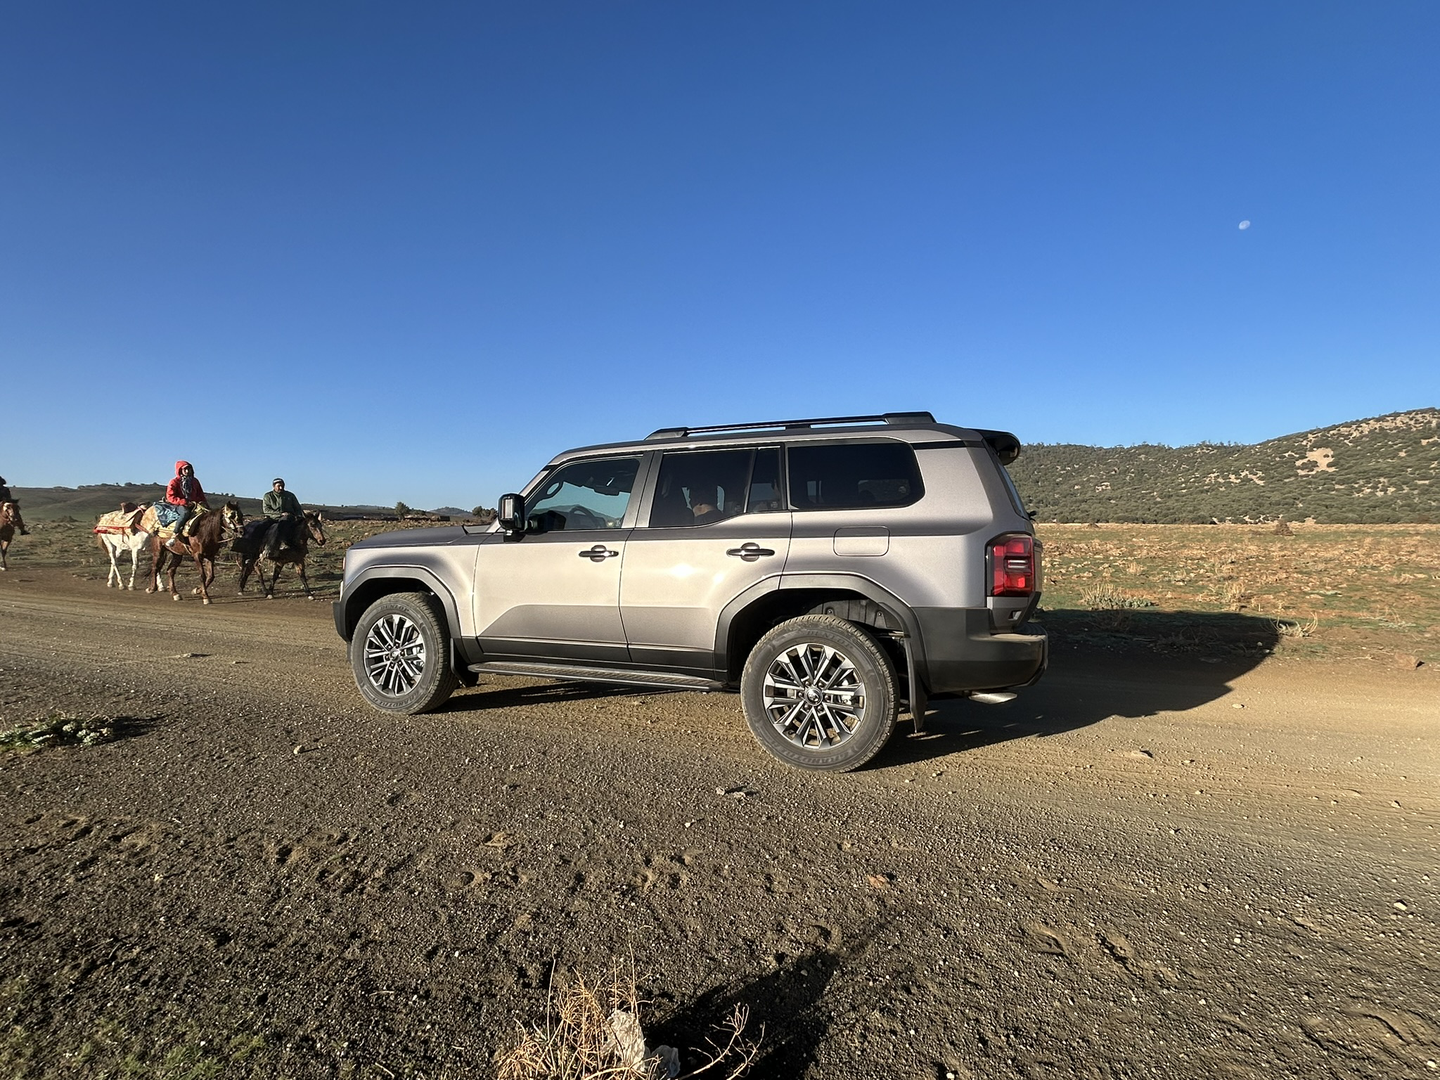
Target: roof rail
[823,421]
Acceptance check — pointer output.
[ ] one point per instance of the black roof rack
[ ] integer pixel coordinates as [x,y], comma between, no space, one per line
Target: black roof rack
[823,421]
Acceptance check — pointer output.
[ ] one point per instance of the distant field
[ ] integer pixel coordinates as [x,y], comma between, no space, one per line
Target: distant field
[1322,591]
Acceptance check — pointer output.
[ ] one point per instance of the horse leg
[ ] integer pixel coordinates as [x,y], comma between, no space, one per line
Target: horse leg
[274,580]
[114,575]
[200,568]
[172,564]
[4,547]
[300,567]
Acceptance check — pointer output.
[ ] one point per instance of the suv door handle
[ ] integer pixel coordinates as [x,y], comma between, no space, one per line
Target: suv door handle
[598,553]
[749,551]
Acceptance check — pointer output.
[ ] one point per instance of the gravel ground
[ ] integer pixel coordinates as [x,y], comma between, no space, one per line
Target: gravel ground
[1141,867]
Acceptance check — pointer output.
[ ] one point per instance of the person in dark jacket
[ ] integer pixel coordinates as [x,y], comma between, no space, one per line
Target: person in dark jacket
[185,493]
[282,508]
[15,519]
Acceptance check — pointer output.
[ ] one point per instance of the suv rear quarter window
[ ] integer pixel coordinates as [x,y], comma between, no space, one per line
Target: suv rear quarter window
[853,476]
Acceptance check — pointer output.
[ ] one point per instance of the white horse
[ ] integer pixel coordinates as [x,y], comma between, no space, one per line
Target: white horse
[120,531]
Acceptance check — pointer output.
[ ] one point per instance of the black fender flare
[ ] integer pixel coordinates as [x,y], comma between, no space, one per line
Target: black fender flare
[347,614]
[893,606]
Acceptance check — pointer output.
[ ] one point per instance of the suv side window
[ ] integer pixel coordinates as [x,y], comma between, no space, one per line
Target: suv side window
[853,476]
[765,493]
[698,487]
[591,494]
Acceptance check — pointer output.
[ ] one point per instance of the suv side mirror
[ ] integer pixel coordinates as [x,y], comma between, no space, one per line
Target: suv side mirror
[511,514]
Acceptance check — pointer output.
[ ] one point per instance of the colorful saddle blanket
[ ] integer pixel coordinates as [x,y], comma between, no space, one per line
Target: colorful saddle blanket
[161,518]
[119,521]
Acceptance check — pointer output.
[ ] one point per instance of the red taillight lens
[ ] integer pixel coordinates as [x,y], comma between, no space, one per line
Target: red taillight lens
[1012,566]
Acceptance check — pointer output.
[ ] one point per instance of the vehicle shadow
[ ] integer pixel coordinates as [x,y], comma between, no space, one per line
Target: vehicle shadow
[1102,664]
[786,1022]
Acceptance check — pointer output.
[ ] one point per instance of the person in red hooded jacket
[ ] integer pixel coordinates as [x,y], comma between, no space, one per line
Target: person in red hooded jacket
[185,493]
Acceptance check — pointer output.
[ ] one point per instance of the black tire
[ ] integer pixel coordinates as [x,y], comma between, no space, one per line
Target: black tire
[400,654]
[819,694]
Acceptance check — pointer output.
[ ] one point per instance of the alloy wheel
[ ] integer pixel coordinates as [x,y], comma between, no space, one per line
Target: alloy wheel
[813,696]
[394,655]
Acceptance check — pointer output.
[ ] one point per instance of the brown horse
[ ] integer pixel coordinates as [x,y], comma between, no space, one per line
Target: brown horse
[9,521]
[252,554]
[209,535]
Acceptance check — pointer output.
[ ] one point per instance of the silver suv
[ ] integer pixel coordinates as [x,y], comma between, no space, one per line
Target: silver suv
[828,569]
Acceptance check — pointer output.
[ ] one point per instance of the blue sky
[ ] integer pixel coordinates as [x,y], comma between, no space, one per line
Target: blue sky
[408,252]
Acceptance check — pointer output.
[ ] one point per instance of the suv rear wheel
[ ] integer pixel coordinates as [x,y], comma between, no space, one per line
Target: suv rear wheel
[400,654]
[819,693]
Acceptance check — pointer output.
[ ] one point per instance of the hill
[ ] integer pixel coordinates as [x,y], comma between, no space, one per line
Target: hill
[88,501]
[1384,469]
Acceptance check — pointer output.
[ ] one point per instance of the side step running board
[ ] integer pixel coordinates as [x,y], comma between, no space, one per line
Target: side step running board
[653,679]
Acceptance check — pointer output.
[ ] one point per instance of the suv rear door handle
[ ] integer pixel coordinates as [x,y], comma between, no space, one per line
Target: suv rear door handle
[598,553]
[749,551]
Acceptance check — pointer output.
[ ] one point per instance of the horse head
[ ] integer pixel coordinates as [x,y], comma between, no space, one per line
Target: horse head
[231,519]
[312,523]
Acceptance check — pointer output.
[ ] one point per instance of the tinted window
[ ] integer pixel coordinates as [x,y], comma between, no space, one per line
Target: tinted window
[699,487]
[765,494]
[853,476]
[583,495]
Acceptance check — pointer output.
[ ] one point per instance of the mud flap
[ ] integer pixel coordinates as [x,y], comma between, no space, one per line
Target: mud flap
[918,698]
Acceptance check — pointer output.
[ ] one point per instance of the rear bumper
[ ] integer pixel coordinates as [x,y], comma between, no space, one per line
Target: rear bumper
[962,653]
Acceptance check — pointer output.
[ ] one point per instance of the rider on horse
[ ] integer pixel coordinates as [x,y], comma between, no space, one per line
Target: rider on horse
[184,494]
[15,519]
[283,509]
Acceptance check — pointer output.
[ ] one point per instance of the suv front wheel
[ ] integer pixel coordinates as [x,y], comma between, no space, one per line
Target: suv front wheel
[400,654]
[819,693]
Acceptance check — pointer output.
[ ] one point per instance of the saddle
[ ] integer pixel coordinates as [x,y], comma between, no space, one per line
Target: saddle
[166,530]
[120,521]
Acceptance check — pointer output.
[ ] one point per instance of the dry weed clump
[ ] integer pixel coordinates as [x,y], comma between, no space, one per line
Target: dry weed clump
[58,729]
[1103,596]
[592,1031]
[1296,628]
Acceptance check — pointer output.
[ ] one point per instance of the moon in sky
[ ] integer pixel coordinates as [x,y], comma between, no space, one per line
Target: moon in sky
[1245,224]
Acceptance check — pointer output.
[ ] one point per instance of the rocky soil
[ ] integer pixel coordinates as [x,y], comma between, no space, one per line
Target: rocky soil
[1141,867]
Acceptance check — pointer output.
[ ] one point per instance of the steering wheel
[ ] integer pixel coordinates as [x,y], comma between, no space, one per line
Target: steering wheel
[577,517]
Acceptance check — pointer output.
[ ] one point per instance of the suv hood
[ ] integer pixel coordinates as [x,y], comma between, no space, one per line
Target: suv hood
[398,538]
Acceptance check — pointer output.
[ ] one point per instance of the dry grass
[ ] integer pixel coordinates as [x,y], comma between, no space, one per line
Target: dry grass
[1296,628]
[1346,589]
[592,1031]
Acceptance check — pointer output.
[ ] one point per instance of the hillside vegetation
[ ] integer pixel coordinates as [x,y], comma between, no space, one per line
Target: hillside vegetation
[88,501]
[1384,469]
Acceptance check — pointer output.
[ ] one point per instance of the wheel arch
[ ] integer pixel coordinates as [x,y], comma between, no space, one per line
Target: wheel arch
[853,598]
[370,585]
[380,581]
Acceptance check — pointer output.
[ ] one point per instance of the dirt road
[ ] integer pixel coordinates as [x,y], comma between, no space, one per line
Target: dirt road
[1141,867]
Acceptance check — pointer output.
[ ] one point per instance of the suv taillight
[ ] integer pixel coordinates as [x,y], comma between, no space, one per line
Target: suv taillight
[1012,566]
